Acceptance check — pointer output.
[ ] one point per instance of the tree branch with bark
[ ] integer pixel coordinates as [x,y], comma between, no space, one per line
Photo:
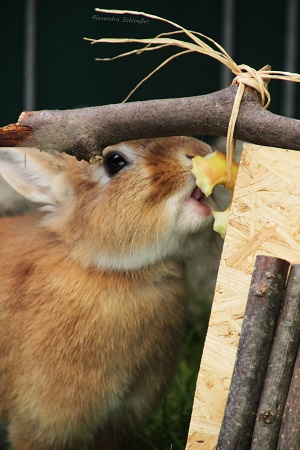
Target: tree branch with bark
[85,132]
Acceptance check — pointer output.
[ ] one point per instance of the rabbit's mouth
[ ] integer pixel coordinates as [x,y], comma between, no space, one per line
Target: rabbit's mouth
[199,198]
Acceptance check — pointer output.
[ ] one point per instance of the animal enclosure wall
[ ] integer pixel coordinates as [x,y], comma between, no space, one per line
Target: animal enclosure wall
[265,219]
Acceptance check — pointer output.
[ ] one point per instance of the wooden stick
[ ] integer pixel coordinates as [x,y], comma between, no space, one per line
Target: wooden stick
[289,436]
[259,324]
[280,368]
[85,132]
[15,135]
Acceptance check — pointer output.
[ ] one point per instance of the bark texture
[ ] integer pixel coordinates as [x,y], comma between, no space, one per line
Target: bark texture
[85,132]
[257,334]
[280,368]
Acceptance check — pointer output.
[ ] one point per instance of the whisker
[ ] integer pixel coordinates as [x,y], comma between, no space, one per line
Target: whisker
[131,248]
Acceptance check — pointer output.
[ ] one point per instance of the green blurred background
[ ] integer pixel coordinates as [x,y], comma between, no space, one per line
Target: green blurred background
[66,75]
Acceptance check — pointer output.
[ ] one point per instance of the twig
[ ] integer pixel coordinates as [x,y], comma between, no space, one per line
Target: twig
[85,132]
[263,305]
[280,368]
[14,135]
[289,436]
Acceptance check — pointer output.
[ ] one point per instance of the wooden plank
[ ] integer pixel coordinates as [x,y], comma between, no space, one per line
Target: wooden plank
[265,218]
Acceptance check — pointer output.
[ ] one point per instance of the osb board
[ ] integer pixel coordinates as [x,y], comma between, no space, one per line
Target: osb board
[265,219]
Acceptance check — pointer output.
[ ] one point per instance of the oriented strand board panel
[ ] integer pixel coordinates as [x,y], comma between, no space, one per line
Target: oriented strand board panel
[265,219]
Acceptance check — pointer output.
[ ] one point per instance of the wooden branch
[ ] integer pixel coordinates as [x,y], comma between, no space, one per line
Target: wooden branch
[289,436]
[280,368]
[16,135]
[85,132]
[259,324]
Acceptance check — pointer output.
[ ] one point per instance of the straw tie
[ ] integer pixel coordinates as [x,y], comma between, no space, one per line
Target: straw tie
[245,76]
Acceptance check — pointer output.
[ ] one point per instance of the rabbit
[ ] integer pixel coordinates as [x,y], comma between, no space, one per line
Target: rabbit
[92,295]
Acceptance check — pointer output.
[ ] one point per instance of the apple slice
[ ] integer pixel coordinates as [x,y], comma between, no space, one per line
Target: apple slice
[221,221]
[210,171]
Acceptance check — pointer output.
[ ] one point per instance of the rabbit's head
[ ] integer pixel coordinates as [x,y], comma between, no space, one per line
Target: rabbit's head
[140,206]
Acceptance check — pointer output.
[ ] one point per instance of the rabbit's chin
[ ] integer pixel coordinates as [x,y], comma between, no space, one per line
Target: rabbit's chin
[172,247]
[185,229]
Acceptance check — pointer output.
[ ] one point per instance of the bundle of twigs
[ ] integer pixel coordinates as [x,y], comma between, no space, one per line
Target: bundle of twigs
[263,409]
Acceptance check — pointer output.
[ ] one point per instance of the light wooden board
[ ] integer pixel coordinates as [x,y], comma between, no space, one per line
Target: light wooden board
[265,219]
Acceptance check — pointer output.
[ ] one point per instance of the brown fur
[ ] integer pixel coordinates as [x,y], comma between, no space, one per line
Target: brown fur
[88,346]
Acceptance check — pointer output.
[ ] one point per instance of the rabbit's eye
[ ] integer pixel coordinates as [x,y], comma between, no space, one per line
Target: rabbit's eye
[114,163]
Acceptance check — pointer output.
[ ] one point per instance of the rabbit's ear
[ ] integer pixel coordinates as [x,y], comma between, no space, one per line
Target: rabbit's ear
[38,176]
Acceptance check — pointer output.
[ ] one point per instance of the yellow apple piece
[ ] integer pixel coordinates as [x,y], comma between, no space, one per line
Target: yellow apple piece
[210,171]
[221,221]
